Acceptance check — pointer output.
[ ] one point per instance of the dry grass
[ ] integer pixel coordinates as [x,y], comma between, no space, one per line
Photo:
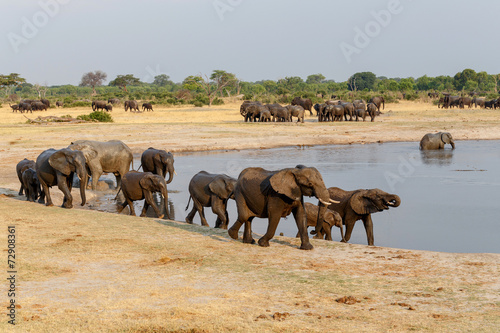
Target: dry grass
[82,270]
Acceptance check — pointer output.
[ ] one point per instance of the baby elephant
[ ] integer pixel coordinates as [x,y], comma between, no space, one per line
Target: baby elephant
[31,184]
[147,107]
[330,219]
[141,185]
[211,190]
[432,141]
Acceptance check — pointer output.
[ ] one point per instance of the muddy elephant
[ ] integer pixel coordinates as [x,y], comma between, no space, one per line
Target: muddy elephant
[378,101]
[31,184]
[253,112]
[98,105]
[276,194]
[349,110]
[147,107]
[141,185]
[159,162]
[282,114]
[112,157]
[131,105]
[334,112]
[359,205]
[20,167]
[210,190]
[432,141]
[306,103]
[265,116]
[296,111]
[330,219]
[245,105]
[371,109]
[57,167]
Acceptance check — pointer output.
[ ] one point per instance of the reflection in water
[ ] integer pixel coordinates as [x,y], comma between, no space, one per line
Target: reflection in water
[441,157]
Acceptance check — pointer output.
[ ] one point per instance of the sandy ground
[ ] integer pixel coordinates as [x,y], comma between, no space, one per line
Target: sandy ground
[81,270]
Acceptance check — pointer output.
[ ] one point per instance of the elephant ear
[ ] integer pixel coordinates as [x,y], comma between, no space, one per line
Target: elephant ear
[147,183]
[361,203]
[59,161]
[445,137]
[218,187]
[284,183]
[88,151]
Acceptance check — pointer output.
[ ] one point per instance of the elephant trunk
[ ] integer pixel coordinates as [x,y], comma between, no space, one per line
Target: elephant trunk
[452,144]
[324,201]
[171,171]
[82,174]
[394,201]
[164,193]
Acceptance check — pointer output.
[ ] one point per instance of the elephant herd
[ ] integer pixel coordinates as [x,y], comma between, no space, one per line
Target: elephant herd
[30,105]
[328,111]
[131,105]
[448,101]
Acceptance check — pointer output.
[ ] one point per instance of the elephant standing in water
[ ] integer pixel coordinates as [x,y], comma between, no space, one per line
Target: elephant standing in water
[359,205]
[57,167]
[112,156]
[141,185]
[211,190]
[158,162]
[276,194]
[432,141]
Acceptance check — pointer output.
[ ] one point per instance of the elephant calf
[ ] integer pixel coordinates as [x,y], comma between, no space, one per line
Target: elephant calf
[432,141]
[20,168]
[210,190]
[330,219]
[31,184]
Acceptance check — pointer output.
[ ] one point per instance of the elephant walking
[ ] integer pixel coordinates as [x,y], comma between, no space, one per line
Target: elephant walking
[31,184]
[378,101]
[132,105]
[432,141]
[210,190]
[158,162]
[141,185]
[112,156]
[57,167]
[306,103]
[330,219]
[20,168]
[147,107]
[276,194]
[359,205]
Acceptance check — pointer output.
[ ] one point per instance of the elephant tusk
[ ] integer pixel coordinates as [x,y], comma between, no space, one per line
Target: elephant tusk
[334,201]
[175,173]
[326,203]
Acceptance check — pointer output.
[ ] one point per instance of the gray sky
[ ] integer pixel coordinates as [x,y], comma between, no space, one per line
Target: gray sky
[57,41]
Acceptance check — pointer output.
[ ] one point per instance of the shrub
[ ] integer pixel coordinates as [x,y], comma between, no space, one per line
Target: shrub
[99,116]
[217,101]
[198,104]
[77,104]
[248,97]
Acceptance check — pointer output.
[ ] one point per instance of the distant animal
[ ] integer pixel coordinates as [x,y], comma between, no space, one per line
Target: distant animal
[147,107]
[46,102]
[59,104]
[113,100]
[378,101]
[131,105]
[306,103]
[109,107]
[14,107]
[98,105]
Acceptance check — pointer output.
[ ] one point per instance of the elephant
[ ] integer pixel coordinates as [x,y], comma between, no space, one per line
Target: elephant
[113,100]
[59,104]
[31,184]
[46,102]
[276,194]
[245,105]
[39,106]
[478,101]
[253,112]
[147,107]
[348,110]
[359,205]
[141,185]
[25,107]
[273,109]
[57,167]
[378,101]
[282,114]
[14,107]
[296,111]
[211,190]
[265,115]
[372,110]
[306,103]
[20,168]
[132,105]
[432,141]
[109,107]
[158,162]
[490,104]
[359,104]
[463,101]
[330,219]
[98,105]
[112,156]
[334,112]
[360,113]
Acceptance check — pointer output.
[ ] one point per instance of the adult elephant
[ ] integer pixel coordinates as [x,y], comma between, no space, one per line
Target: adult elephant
[113,100]
[159,162]
[276,194]
[296,111]
[372,110]
[31,184]
[112,157]
[432,141]
[98,105]
[20,168]
[253,112]
[245,105]
[334,112]
[320,108]
[359,205]
[478,101]
[131,105]
[210,190]
[59,104]
[141,185]
[57,167]
[329,220]
[378,101]
[147,107]
[46,102]
[306,103]
[39,106]
[349,110]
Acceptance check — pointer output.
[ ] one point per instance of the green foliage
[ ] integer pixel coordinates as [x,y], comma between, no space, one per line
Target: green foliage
[362,81]
[76,104]
[198,104]
[315,78]
[99,116]
[217,101]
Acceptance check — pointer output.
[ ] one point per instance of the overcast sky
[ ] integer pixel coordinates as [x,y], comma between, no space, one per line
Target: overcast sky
[55,42]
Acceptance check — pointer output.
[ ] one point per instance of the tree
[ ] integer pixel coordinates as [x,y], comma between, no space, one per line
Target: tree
[162,80]
[93,79]
[407,84]
[123,81]
[315,78]
[461,78]
[362,81]
[210,86]
[41,90]
[10,81]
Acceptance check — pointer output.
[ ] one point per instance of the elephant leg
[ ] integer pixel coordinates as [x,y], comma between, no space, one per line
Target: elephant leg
[130,204]
[21,189]
[190,216]
[368,223]
[233,231]
[150,201]
[247,233]
[122,206]
[63,186]
[274,218]
[199,208]
[328,231]
[349,226]
[218,208]
[300,219]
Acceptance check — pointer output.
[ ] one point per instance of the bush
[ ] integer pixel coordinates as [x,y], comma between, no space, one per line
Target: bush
[217,101]
[198,104]
[248,97]
[99,116]
[77,104]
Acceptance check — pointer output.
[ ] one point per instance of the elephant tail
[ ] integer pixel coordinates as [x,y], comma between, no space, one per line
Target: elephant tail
[140,166]
[187,206]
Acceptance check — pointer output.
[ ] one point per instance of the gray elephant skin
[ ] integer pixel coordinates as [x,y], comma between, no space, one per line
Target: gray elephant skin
[432,141]
[99,105]
[276,194]
[20,168]
[359,205]
[159,162]
[31,184]
[211,190]
[141,185]
[306,103]
[378,101]
[329,219]
[131,105]
[112,157]
[57,167]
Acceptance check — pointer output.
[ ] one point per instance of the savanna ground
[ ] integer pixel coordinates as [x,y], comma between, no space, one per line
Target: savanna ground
[81,270]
